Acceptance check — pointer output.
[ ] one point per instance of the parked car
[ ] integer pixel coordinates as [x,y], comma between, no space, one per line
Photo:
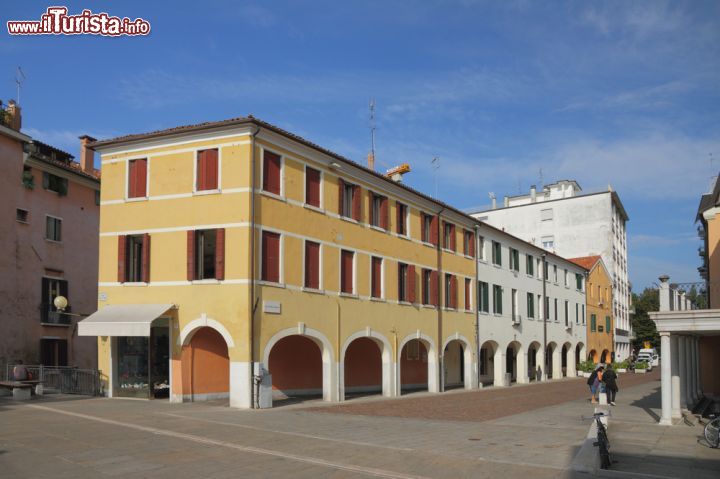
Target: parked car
[650,356]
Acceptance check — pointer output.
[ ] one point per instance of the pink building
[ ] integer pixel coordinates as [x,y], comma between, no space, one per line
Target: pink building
[50,213]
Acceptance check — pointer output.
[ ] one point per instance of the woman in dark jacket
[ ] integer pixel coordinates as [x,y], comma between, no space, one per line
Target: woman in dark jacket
[610,380]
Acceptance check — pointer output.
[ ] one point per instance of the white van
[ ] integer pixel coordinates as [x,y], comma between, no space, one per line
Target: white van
[650,356]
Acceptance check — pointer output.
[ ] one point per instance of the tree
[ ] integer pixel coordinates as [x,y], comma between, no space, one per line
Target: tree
[699,298]
[643,326]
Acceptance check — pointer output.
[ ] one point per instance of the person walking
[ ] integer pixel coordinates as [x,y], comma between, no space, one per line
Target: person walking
[594,383]
[610,380]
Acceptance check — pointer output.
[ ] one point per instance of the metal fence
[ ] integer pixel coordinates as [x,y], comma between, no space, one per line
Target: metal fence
[63,379]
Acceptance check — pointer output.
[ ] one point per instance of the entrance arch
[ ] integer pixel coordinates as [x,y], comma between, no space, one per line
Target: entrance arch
[554,360]
[515,362]
[593,356]
[457,363]
[366,365]
[491,366]
[417,364]
[568,360]
[294,363]
[205,365]
[605,356]
[535,361]
[579,353]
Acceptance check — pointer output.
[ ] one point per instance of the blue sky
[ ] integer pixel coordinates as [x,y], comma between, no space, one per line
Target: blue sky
[621,93]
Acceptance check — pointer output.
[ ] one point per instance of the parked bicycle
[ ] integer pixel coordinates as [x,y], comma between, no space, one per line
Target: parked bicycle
[603,443]
[712,431]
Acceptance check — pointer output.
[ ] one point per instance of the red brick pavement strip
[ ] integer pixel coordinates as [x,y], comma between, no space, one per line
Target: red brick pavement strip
[484,404]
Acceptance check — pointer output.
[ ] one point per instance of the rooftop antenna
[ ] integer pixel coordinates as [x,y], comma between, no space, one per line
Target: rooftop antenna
[371,156]
[435,166]
[19,79]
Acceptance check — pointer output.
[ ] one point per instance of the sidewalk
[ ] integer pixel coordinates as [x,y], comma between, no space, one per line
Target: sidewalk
[640,446]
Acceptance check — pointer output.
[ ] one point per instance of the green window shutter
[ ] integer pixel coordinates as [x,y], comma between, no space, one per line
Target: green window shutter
[607,324]
[593,323]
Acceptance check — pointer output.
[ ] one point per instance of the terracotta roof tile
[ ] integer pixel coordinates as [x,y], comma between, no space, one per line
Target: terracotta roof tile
[587,262]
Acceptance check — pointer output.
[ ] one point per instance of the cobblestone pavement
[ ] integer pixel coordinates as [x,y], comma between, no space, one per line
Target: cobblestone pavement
[484,404]
[62,437]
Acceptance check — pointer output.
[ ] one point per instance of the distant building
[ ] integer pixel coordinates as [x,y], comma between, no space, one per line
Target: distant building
[600,326]
[564,220]
[50,211]
[709,232]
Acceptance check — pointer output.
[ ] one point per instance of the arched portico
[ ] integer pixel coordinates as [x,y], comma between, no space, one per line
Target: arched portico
[491,368]
[329,366]
[421,341]
[579,353]
[458,362]
[535,361]
[554,359]
[515,361]
[359,346]
[568,359]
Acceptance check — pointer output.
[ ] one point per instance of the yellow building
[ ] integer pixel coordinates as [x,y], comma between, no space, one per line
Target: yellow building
[601,324]
[357,284]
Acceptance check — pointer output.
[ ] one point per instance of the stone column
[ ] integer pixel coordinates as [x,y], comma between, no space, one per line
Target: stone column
[666,380]
[681,370]
[674,360]
[664,293]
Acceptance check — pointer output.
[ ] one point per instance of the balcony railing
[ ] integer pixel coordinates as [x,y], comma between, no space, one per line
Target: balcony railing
[47,316]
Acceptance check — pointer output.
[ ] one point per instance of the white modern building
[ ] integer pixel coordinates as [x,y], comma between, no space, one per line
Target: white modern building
[565,221]
[510,295]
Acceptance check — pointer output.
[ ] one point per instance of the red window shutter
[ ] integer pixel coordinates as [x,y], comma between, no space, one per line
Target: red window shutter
[471,247]
[271,257]
[220,254]
[376,277]
[191,255]
[411,297]
[356,203]
[312,187]
[207,170]
[423,233]
[138,178]
[312,265]
[453,292]
[453,238]
[398,218]
[346,279]
[384,213]
[122,246]
[434,288]
[271,172]
[341,196]
[434,230]
[146,258]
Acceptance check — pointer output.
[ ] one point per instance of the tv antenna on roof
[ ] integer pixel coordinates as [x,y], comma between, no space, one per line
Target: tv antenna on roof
[371,156]
[19,79]
[436,166]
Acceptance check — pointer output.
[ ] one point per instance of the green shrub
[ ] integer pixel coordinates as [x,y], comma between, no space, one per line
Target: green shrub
[641,365]
[586,366]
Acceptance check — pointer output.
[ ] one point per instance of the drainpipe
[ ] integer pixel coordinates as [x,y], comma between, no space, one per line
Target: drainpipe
[441,349]
[545,313]
[253,386]
[477,304]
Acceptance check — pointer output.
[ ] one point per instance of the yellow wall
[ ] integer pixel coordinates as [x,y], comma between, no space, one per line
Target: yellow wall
[601,306]
[713,236]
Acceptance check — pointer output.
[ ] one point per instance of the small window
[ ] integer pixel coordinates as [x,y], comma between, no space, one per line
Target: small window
[449,236]
[427,221]
[481,245]
[427,287]
[134,258]
[270,266]
[530,305]
[567,313]
[555,273]
[450,291]
[349,200]
[137,178]
[578,281]
[312,265]
[546,214]
[548,242]
[271,173]
[468,294]
[557,318]
[497,253]
[402,215]
[468,243]
[583,313]
[402,282]
[312,187]
[376,277]
[484,297]
[607,324]
[53,228]
[497,299]
[347,278]
[22,215]
[51,289]
[378,211]
[205,250]
[514,259]
[593,323]
[207,170]
[529,265]
[55,183]
[566,278]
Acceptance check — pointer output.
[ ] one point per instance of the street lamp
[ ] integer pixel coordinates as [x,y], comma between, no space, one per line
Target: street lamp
[60,303]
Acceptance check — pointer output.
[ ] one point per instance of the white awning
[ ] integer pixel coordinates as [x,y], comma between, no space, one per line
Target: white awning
[122,320]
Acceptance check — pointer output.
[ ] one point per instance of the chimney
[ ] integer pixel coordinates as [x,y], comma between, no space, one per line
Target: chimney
[494,201]
[13,110]
[506,201]
[87,156]
[533,194]
[371,161]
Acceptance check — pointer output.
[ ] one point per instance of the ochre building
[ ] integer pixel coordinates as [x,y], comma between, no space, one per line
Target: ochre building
[600,324]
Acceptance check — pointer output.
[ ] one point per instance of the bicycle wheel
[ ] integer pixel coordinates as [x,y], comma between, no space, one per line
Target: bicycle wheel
[712,432]
[602,435]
